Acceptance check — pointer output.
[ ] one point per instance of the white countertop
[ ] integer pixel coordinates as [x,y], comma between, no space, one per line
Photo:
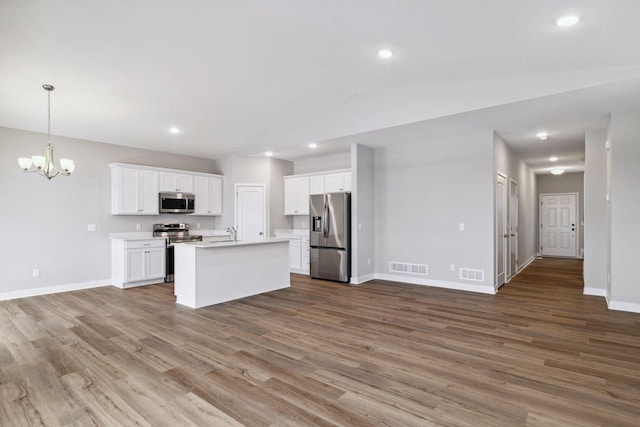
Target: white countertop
[218,244]
[291,233]
[146,235]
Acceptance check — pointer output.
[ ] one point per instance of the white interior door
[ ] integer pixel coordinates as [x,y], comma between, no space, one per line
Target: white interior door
[513,229]
[250,211]
[558,224]
[502,236]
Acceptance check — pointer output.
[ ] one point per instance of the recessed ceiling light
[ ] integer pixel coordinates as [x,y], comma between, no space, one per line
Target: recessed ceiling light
[568,21]
[269,154]
[542,135]
[174,130]
[313,145]
[557,171]
[385,53]
[553,159]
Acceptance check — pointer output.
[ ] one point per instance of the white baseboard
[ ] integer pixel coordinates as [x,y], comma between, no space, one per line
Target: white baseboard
[362,279]
[32,292]
[623,306]
[527,262]
[459,286]
[598,292]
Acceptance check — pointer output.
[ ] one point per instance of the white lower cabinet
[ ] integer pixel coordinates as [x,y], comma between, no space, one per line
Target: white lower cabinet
[295,255]
[137,262]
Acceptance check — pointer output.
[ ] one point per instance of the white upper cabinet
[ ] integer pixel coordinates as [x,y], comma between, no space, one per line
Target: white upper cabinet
[296,195]
[208,192]
[338,182]
[134,191]
[176,182]
[316,184]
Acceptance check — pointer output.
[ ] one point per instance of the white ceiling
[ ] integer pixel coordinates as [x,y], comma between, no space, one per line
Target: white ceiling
[249,76]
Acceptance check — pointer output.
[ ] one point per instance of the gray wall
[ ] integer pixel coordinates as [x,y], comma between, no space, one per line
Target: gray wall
[512,165]
[255,170]
[322,163]
[625,209]
[46,226]
[595,212]
[422,192]
[567,183]
[363,211]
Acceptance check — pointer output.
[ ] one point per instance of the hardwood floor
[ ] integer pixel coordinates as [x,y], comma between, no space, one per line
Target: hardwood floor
[539,353]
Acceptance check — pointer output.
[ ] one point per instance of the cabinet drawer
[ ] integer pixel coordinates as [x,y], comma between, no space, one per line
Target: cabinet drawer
[138,244]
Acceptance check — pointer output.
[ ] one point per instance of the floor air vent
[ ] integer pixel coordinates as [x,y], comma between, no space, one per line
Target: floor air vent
[471,274]
[405,267]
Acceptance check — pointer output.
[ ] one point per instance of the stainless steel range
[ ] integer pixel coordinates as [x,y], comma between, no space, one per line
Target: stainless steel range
[174,233]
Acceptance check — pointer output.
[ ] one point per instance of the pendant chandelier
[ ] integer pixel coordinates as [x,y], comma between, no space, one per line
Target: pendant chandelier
[44,164]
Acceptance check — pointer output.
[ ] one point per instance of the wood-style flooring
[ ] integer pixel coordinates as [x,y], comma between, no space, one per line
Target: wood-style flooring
[539,353]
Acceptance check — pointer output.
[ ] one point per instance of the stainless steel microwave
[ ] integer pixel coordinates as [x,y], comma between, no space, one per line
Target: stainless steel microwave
[178,203]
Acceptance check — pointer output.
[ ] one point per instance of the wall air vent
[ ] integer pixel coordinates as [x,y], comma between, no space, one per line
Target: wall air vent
[408,268]
[472,274]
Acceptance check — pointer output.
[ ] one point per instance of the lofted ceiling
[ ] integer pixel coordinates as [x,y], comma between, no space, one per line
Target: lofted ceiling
[243,77]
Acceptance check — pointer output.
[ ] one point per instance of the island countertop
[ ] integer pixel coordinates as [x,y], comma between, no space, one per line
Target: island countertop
[226,243]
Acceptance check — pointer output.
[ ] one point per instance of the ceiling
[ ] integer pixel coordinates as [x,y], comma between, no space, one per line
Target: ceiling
[243,77]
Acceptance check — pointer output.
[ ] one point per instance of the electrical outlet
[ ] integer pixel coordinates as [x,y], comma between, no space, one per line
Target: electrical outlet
[461,226]
[452,267]
[36,272]
[359,226]
[91,227]
[368,261]
[198,225]
[138,227]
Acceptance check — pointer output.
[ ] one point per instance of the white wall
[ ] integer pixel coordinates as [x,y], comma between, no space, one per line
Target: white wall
[45,222]
[363,214]
[625,210]
[423,192]
[566,183]
[595,212]
[512,165]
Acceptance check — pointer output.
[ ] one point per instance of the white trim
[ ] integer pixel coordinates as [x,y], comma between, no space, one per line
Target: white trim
[497,241]
[598,292]
[483,289]
[24,293]
[527,262]
[510,226]
[624,306]
[577,246]
[362,279]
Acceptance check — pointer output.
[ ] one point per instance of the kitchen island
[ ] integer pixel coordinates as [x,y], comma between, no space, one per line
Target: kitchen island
[211,272]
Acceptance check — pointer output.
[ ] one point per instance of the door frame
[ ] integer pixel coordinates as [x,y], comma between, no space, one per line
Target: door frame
[513,232]
[577,230]
[501,240]
[264,204]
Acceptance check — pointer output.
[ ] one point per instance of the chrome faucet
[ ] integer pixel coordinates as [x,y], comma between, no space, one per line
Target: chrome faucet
[234,233]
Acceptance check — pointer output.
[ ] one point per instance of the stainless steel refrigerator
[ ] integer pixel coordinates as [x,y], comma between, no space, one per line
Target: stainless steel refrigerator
[330,236]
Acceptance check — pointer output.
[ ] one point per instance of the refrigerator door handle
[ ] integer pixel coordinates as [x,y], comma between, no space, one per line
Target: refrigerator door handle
[326,220]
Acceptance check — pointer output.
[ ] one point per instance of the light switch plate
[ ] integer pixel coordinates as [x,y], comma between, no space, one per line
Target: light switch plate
[91,227]
[462,226]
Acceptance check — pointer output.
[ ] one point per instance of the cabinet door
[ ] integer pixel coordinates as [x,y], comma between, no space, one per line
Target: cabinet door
[346,182]
[148,182]
[128,191]
[201,191]
[176,182]
[215,195]
[294,255]
[338,182]
[135,265]
[155,263]
[296,196]
[316,184]
[184,183]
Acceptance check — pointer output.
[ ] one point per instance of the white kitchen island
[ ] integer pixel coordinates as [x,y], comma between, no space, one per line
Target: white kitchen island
[208,273]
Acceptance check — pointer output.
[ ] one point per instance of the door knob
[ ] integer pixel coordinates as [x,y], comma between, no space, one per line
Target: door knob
[506,235]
